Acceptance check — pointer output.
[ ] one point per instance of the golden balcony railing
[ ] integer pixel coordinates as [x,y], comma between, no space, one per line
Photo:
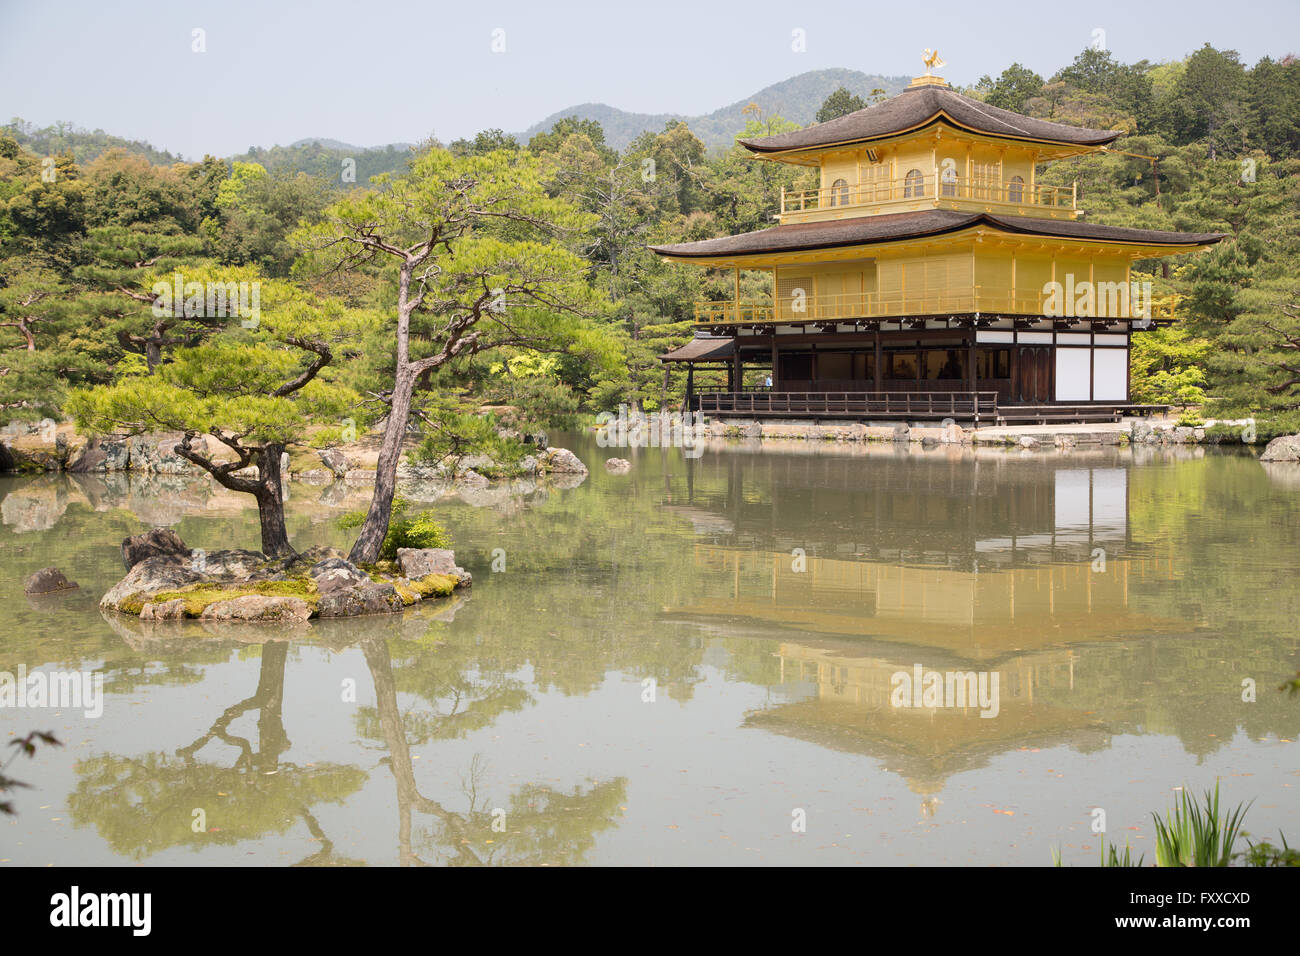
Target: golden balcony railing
[1110,303]
[921,187]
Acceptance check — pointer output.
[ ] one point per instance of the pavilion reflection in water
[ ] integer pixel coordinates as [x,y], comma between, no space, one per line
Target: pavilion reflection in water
[1029,606]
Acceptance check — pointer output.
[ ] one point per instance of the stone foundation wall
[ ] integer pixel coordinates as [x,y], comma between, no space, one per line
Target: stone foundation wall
[1138,431]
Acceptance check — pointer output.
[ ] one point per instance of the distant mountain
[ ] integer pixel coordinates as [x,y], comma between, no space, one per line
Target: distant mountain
[348,147]
[797,99]
[326,158]
[85,145]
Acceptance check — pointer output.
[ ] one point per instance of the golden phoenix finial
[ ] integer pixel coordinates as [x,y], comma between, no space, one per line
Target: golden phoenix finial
[931,60]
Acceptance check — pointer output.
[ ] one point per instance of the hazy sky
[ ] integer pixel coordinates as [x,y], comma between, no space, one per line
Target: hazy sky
[379,72]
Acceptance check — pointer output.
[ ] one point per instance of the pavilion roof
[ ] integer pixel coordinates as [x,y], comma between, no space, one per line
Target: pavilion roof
[865,230]
[918,106]
[702,348]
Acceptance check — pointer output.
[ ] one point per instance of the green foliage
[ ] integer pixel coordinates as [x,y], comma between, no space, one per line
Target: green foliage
[488,141]
[83,145]
[407,528]
[451,432]
[840,103]
[1165,365]
[258,211]
[1012,90]
[327,161]
[1193,834]
[234,384]
[1266,854]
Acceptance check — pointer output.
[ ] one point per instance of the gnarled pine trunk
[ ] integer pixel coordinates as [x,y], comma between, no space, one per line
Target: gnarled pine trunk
[373,530]
[270,502]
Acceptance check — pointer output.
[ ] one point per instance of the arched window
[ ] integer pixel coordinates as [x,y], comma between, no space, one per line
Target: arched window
[840,193]
[948,179]
[913,184]
[1016,189]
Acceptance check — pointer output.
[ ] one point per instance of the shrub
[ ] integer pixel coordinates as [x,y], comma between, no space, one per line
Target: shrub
[406,529]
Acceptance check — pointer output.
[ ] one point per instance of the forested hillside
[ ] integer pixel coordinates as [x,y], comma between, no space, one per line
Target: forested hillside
[86,235]
[797,99]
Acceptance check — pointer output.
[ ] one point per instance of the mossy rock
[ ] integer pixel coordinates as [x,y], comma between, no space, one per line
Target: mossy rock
[408,595]
[435,585]
[197,597]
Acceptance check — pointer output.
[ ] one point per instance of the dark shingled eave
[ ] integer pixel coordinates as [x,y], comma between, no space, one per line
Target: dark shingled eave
[702,348]
[868,230]
[918,107]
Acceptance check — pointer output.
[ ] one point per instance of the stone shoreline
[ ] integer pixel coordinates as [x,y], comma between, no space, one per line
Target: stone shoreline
[1012,437]
[60,448]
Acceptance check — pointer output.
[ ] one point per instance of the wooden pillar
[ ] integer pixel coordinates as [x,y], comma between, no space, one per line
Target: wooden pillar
[737,369]
[879,372]
[776,381]
[1015,367]
[690,386]
[974,366]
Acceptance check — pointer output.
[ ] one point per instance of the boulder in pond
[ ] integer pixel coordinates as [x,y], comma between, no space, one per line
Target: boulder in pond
[618,466]
[560,461]
[258,607]
[102,453]
[152,544]
[376,597]
[337,461]
[421,562]
[333,574]
[236,563]
[47,581]
[173,610]
[471,479]
[1282,448]
[162,572]
[294,565]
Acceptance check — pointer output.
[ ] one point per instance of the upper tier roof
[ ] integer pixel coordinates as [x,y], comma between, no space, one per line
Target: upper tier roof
[917,106]
[864,230]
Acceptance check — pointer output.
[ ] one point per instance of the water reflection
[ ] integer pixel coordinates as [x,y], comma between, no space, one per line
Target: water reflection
[768,596]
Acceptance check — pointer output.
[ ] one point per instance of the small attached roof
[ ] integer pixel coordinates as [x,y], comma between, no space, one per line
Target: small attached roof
[864,230]
[918,106]
[702,348]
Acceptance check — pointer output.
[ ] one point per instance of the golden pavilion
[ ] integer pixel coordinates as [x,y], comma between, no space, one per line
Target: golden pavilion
[931,275]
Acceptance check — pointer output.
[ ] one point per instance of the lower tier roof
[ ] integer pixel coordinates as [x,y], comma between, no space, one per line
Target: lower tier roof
[865,230]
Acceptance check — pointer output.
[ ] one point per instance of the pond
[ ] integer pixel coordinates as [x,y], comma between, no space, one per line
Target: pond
[706,661]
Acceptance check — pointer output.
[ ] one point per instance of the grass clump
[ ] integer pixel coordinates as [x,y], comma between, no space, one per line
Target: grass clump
[1110,856]
[1196,834]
